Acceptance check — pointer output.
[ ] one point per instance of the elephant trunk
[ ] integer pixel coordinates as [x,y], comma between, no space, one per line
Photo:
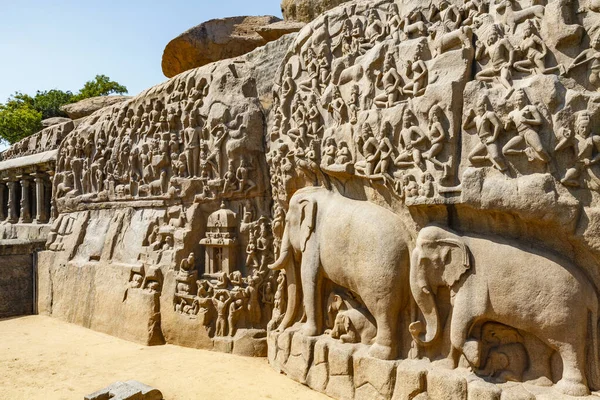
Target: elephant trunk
[426,302]
[286,261]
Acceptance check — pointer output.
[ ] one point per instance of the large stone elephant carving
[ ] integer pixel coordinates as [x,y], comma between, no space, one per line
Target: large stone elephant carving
[495,280]
[356,244]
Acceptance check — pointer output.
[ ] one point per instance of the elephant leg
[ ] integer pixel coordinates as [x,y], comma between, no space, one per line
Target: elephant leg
[573,380]
[386,318]
[461,323]
[311,286]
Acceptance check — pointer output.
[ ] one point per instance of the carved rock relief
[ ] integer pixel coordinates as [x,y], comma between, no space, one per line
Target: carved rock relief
[476,115]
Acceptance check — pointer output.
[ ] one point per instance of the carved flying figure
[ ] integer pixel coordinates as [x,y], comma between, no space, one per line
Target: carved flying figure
[526,119]
[488,127]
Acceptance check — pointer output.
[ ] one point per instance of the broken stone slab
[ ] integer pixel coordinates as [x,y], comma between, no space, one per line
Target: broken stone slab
[54,121]
[87,107]
[129,390]
[276,30]
[214,40]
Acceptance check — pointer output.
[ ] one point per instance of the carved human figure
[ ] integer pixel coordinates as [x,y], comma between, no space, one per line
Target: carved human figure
[337,107]
[254,313]
[324,68]
[385,150]
[391,81]
[375,31]
[369,146]
[591,56]
[329,151]
[488,127]
[437,137]
[417,72]
[534,51]
[526,118]
[501,55]
[221,302]
[311,66]
[343,156]
[315,118]
[252,261]
[299,119]
[191,140]
[236,309]
[411,139]
[354,104]
[586,146]
[427,188]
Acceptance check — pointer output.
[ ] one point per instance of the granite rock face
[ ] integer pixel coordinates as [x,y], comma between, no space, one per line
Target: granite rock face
[400,201]
[219,39]
[54,121]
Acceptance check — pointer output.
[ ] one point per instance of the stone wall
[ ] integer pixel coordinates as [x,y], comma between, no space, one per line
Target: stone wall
[18,277]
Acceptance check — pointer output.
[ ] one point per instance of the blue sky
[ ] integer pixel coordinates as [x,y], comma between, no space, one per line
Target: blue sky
[63,43]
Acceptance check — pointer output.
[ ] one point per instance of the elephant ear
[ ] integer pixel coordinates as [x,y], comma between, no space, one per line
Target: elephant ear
[308,220]
[454,270]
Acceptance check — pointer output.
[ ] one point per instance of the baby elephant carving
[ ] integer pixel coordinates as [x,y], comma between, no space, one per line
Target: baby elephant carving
[351,324]
[493,279]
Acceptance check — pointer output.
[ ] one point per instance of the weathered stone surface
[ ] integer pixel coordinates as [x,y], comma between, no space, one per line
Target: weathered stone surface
[411,380]
[306,10]
[16,284]
[214,40]
[129,390]
[54,121]
[89,106]
[277,29]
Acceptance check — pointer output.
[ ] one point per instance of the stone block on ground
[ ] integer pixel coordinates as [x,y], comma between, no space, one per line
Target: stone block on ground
[129,390]
[411,380]
[373,378]
[446,385]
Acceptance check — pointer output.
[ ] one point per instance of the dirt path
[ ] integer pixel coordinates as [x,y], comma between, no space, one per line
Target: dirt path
[44,358]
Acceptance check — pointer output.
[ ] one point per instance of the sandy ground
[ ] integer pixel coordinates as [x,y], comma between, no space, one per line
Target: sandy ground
[44,358]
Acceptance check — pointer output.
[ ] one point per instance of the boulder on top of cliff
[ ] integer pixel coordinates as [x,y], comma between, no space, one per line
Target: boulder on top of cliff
[219,39]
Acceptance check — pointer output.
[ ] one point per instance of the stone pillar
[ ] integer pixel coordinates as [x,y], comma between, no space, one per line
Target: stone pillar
[12,202]
[2,201]
[25,201]
[49,197]
[40,191]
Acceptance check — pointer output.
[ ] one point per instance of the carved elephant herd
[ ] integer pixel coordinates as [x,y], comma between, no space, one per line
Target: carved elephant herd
[366,249]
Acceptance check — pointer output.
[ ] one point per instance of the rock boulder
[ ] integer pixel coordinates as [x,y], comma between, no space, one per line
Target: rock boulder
[219,39]
[54,121]
[86,107]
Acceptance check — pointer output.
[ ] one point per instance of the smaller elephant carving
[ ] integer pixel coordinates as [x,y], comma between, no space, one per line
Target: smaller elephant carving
[350,324]
[503,355]
[493,279]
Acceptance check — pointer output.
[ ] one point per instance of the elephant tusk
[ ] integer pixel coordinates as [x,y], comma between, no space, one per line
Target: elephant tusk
[425,290]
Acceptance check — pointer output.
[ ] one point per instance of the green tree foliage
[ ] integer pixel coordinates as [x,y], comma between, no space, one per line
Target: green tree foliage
[18,119]
[22,114]
[100,86]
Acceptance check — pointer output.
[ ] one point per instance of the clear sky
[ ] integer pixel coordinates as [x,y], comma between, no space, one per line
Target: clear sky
[61,44]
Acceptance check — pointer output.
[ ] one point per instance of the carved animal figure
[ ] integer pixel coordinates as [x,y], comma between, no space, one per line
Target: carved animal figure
[356,244]
[498,281]
[512,17]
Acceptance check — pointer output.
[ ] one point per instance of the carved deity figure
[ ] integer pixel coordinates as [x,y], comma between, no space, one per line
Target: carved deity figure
[411,139]
[488,127]
[191,140]
[437,137]
[586,146]
[337,107]
[501,55]
[221,302]
[391,81]
[591,56]
[526,118]
[417,71]
[534,51]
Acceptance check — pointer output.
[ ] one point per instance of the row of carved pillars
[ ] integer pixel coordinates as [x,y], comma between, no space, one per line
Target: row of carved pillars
[26,199]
